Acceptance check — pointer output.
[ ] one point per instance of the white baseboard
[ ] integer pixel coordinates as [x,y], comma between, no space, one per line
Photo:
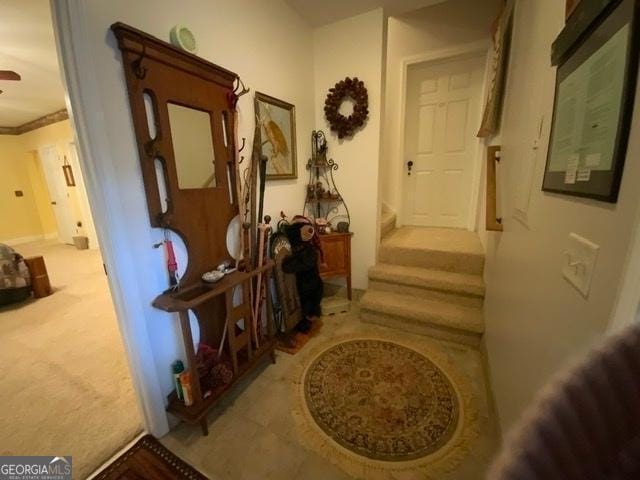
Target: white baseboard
[20,240]
[29,239]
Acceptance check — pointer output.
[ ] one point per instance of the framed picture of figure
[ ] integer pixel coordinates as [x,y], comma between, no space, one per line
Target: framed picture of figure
[277,120]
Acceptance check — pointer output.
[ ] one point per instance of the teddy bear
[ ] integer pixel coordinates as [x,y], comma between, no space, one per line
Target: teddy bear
[303,262]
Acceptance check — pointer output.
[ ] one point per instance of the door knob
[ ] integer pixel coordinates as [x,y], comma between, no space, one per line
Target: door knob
[409,165]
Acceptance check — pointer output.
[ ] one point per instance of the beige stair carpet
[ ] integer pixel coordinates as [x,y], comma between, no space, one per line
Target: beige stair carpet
[460,288]
[439,248]
[428,281]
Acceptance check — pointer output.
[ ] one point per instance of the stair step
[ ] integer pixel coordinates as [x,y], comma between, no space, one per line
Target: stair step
[427,283]
[387,223]
[418,292]
[450,250]
[423,316]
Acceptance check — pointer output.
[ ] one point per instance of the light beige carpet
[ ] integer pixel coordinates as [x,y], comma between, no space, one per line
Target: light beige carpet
[66,388]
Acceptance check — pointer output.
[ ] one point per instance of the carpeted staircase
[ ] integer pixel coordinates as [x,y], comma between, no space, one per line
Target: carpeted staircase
[387,223]
[427,281]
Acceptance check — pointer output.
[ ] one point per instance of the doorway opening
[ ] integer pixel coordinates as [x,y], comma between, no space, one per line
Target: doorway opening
[67,381]
[67,193]
[441,153]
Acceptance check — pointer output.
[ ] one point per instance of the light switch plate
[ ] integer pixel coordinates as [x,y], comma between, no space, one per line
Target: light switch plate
[579,261]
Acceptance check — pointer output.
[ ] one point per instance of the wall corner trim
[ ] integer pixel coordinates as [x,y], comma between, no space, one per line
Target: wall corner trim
[84,104]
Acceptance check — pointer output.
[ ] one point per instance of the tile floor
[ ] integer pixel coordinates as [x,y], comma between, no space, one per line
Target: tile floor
[253,436]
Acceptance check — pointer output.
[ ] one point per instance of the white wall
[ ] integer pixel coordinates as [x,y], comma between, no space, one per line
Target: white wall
[267,44]
[19,157]
[535,320]
[354,48]
[439,27]
[627,308]
[89,227]
[20,218]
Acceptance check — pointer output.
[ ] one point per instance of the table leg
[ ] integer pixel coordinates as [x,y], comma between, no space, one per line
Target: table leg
[205,426]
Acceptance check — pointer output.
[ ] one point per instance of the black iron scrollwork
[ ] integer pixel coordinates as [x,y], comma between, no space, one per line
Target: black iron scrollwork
[323,199]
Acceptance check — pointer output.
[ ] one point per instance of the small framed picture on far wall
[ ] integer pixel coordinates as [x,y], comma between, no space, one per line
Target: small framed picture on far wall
[68,175]
[277,120]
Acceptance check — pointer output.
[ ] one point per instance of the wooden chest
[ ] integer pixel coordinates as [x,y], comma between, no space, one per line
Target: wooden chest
[39,276]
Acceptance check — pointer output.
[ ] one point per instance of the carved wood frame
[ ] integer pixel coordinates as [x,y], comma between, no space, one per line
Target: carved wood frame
[167,74]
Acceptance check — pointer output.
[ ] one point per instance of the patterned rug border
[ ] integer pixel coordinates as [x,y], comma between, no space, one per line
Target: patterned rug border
[430,467]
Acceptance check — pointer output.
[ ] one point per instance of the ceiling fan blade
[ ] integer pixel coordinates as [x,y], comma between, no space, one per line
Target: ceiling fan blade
[9,75]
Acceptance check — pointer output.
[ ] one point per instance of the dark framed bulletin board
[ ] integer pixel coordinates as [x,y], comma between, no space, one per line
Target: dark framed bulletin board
[597,58]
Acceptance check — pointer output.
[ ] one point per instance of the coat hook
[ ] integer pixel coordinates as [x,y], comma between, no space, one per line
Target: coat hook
[244,140]
[240,91]
[139,71]
[241,160]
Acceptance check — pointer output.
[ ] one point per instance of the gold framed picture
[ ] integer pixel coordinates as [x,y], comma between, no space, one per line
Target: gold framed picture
[277,120]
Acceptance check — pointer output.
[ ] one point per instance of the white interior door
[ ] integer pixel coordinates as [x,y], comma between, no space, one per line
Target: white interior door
[85,209]
[442,118]
[52,166]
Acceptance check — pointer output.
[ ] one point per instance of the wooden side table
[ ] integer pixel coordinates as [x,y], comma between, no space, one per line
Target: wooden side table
[39,277]
[336,249]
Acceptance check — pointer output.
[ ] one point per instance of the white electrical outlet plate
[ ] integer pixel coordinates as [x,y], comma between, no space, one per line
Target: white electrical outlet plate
[579,261]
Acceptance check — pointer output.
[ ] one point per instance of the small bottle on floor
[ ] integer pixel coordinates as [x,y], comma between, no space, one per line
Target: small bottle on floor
[185,381]
[178,368]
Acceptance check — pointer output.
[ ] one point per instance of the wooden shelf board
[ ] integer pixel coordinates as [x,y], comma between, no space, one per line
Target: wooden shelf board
[189,297]
[195,413]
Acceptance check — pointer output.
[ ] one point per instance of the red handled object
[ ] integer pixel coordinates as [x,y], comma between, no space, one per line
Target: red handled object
[172,265]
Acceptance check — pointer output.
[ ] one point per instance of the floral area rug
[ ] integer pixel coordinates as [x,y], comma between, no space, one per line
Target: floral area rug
[372,405]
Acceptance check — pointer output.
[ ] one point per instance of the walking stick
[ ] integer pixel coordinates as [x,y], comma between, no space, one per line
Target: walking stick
[264,230]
